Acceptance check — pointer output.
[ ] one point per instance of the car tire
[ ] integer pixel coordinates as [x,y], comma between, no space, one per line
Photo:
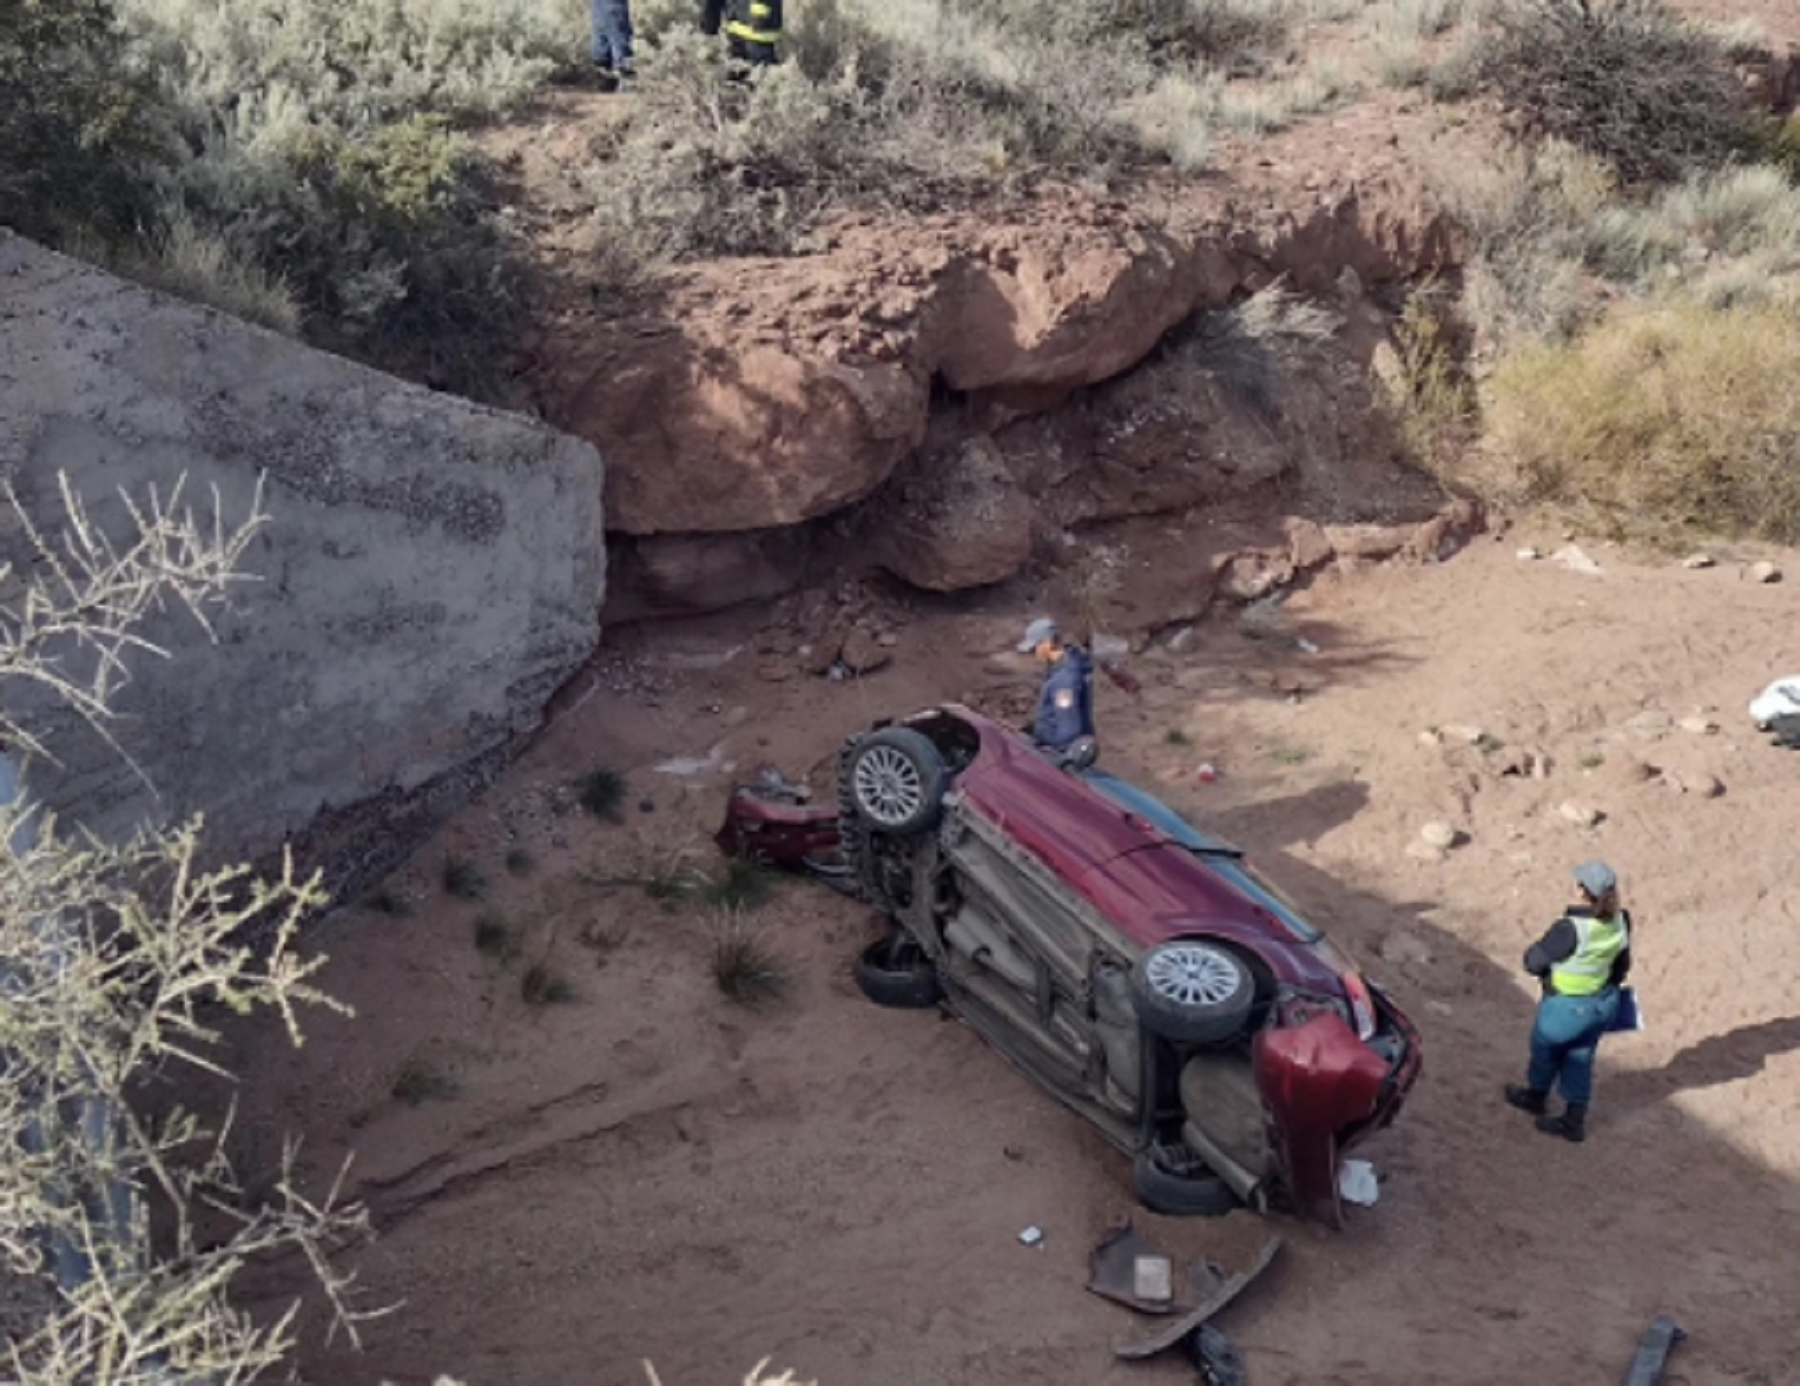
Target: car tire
[1216,1357]
[895,972]
[1164,1187]
[896,779]
[1189,991]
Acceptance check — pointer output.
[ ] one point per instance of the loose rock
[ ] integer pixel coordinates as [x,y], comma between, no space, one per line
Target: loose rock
[1764,571]
[1403,949]
[1575,559]
[1582,815]
[1424,851]
[1440,834]
[1699,726]
[1698,783]
[1698,560]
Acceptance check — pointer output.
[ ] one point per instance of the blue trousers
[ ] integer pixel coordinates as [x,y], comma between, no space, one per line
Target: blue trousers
[612,32]
[1563,1042]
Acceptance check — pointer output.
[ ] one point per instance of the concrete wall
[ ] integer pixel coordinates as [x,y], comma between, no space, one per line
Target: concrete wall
[433,569]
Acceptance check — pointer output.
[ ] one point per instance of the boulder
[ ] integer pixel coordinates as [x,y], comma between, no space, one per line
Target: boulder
[657,575]
[431,572]
[958,521]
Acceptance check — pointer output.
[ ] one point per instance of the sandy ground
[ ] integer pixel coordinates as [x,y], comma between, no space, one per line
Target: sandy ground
[649,1171]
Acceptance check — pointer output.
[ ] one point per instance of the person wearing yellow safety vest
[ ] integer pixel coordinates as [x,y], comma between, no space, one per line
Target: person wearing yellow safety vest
[1582,960]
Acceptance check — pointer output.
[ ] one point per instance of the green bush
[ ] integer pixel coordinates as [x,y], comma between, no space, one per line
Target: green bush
[1626,80]
[1665,421]
[76,127]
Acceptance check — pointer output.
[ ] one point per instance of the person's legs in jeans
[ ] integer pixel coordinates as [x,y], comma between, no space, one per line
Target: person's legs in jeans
[612,34]
[712,13]
[1563,1045]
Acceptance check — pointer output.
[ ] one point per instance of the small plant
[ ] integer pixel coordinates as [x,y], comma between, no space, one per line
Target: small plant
[464,879]
[543,986]
[671,885]
[601,792]
[388,900]
[1593,760]
[519,861]
[746,970]
[1175,736]
[494,938]
[420,1082]
[744,886]
[1290,755]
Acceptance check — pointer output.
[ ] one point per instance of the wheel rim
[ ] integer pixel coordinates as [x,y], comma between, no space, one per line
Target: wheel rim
[889,787]
[1193,976]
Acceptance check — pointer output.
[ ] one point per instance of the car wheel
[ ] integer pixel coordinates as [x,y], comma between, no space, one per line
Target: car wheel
[1192,992]
[897,780]
[895,972]
[1216,1357]
[1172,1180]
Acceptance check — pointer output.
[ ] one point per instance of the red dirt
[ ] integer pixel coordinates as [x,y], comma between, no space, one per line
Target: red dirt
[652,1172]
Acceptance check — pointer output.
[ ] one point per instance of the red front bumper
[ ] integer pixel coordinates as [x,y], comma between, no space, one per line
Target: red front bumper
[1325,1091]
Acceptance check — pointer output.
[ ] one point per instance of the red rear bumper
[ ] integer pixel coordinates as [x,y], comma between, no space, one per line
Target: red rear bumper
[1325,1091]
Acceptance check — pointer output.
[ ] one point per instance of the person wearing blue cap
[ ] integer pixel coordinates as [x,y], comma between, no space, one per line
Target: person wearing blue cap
[1582,960]
[1065,710]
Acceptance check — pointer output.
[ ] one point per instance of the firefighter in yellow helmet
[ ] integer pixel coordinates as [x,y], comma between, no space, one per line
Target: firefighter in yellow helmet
[1582,960]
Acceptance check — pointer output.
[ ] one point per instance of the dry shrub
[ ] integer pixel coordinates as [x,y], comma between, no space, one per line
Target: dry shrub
[1666,421]
[1628,80]
[744,967]
[1425,386]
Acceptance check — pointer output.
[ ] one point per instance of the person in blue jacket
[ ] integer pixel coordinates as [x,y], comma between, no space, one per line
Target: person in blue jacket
[1065,710]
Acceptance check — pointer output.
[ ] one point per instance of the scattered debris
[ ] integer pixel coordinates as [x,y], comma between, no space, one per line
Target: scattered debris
[1653,1350]
[1032,1236]
[1306,646]
[1575,559]
[1698,560]
[1699,726]
[1582,815]
[1475,736]
[1440,1008]
[1431,737]
[1357,1183]
[1441,834]
[1220,1290]
[1527,554]
[1764,571]
[1206,774]
[1780,699]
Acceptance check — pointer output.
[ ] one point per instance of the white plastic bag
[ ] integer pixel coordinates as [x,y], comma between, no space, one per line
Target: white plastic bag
[1779,699]
[1357,1183]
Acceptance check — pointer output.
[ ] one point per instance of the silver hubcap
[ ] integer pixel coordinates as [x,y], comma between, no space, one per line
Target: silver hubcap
[1190,975]
[888,786]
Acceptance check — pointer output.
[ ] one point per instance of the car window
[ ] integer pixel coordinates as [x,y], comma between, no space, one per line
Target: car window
[1263,891]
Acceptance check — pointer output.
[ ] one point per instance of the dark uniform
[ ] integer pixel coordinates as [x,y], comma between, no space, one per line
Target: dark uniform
[1065,710]
[752,27]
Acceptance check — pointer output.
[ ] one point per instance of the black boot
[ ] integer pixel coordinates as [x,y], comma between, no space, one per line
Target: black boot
[1571,1125]
[1526,1099]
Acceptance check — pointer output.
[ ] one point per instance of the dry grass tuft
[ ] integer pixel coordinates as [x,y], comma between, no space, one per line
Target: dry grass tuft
[1664,421]
[746,970]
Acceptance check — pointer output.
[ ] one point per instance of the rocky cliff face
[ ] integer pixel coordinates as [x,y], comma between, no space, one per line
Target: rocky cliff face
[432,572]
[757,398]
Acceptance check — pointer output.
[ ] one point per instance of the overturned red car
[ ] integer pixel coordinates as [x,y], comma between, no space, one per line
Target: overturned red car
[1139,968]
